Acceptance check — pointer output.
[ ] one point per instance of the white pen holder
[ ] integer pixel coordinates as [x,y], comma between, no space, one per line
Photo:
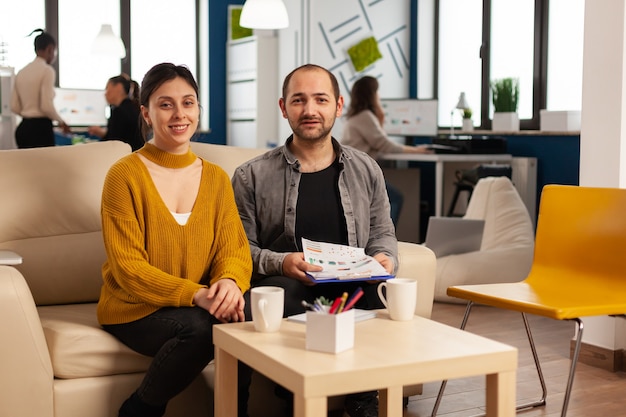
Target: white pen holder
[331,333]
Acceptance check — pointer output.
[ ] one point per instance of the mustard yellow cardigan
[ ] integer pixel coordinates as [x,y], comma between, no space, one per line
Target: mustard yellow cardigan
[154,262]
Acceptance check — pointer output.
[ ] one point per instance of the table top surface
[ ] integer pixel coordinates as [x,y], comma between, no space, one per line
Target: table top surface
[386,353]
[447,157]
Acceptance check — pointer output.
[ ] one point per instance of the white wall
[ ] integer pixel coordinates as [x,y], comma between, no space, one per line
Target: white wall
[321,31]
[603,127]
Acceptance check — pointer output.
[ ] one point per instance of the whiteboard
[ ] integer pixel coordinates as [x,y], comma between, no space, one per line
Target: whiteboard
[410,117]
[81,107]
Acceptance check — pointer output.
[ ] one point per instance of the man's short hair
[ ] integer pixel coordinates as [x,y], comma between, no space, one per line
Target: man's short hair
[311,67]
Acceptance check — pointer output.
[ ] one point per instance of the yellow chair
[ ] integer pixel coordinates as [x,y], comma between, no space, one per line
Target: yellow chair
[578,270]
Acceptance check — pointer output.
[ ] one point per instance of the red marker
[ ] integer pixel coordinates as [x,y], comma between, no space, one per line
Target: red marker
[355,297]
[335,305]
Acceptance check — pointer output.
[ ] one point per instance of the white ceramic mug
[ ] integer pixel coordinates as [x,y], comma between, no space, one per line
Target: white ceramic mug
[267,305]
[400,299]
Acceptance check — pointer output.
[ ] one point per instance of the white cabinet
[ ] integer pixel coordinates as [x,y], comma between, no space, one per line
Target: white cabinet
[252,92]
[7,118]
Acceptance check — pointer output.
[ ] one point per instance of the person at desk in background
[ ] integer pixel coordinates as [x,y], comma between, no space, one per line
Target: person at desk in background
[33,96]
[122,94]
[313,187]
[178,259]
[363,130]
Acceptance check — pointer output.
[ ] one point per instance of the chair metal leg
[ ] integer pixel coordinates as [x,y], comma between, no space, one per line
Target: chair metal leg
[572,369]
[544,391]
[468,309]
[542,381]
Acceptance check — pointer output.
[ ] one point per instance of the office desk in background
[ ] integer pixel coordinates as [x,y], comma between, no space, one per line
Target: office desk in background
[439,160]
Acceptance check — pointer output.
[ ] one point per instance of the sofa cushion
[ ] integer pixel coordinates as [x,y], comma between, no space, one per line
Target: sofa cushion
[51,216]
[80,348]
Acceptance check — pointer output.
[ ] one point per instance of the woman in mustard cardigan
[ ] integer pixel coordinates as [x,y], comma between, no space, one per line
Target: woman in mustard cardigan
[178,258]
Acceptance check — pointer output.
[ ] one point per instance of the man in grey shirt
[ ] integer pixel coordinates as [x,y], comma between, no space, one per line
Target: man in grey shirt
[313,187]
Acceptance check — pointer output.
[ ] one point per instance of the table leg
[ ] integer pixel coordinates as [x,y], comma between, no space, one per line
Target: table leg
[501,394]
[439,188]
[310,407]
[390,402]
[225,384]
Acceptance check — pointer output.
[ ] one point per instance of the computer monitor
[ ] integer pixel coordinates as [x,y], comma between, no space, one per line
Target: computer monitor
[80,108]
[410,117]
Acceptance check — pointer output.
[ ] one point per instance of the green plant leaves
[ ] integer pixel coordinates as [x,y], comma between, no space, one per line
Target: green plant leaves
[505,94]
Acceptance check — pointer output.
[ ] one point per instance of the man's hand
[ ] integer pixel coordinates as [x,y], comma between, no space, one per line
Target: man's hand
[294,266]
[385,261]
[223,300]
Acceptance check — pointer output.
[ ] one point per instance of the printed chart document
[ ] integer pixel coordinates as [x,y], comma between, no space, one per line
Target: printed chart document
[341,263]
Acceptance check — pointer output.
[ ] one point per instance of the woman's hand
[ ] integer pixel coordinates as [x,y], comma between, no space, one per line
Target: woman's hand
[223,300]
[418,149]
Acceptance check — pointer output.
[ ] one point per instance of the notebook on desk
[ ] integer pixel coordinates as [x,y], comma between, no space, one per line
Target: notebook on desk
[453,235]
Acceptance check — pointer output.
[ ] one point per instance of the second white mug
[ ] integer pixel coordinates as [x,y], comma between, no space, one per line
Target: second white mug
[400,297]
[267,305]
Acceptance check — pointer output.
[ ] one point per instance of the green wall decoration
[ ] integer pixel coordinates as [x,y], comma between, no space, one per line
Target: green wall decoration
[364,53]
[236,31]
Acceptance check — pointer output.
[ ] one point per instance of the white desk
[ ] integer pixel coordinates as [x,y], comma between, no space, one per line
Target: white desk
[387,355]
[439,160]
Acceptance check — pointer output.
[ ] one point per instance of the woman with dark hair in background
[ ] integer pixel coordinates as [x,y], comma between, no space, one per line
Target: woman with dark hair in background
[122,94]
[364,131]
[33,95]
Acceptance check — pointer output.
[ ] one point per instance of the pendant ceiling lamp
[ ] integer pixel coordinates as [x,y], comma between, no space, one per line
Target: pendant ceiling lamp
[264,14]
[107,43]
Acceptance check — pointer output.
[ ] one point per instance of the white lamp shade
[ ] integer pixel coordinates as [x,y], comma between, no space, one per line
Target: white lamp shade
[264,14]
[462,104]
[106,43]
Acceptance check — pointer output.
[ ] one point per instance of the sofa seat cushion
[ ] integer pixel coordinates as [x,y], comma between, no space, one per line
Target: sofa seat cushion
[79,347]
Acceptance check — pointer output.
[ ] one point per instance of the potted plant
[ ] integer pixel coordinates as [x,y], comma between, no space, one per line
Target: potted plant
[468,124]
[505,96]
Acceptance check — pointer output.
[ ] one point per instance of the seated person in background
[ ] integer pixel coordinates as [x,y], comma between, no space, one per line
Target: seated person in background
[178,259]
[122,94]
[364,131]
[315,188]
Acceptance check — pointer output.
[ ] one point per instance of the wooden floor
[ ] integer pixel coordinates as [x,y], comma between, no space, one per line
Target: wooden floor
[595,392]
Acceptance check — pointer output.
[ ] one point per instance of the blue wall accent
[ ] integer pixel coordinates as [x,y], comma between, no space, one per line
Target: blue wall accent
[218,36]
[413,51]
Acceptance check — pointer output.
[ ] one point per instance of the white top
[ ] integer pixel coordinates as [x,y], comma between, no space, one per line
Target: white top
[33,93]
[181,218]
[364,132]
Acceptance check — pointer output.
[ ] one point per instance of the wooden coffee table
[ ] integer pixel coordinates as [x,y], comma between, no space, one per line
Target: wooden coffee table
[387,355]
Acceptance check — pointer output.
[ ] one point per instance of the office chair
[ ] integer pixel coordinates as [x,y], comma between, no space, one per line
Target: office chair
[467,180]
[578,268]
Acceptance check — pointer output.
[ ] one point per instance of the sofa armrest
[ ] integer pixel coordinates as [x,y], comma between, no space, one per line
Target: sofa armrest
[26,378]
[419,263]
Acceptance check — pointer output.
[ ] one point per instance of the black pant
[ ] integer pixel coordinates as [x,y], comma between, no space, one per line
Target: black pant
[180,340]
[34,133]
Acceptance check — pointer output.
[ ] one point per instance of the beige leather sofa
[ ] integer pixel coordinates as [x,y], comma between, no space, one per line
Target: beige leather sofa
[54,358]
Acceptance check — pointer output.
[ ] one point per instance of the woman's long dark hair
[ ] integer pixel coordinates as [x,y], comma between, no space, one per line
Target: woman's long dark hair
[363,95]
[131,87]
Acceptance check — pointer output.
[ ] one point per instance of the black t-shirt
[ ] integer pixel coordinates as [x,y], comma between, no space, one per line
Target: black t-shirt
[319,214]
